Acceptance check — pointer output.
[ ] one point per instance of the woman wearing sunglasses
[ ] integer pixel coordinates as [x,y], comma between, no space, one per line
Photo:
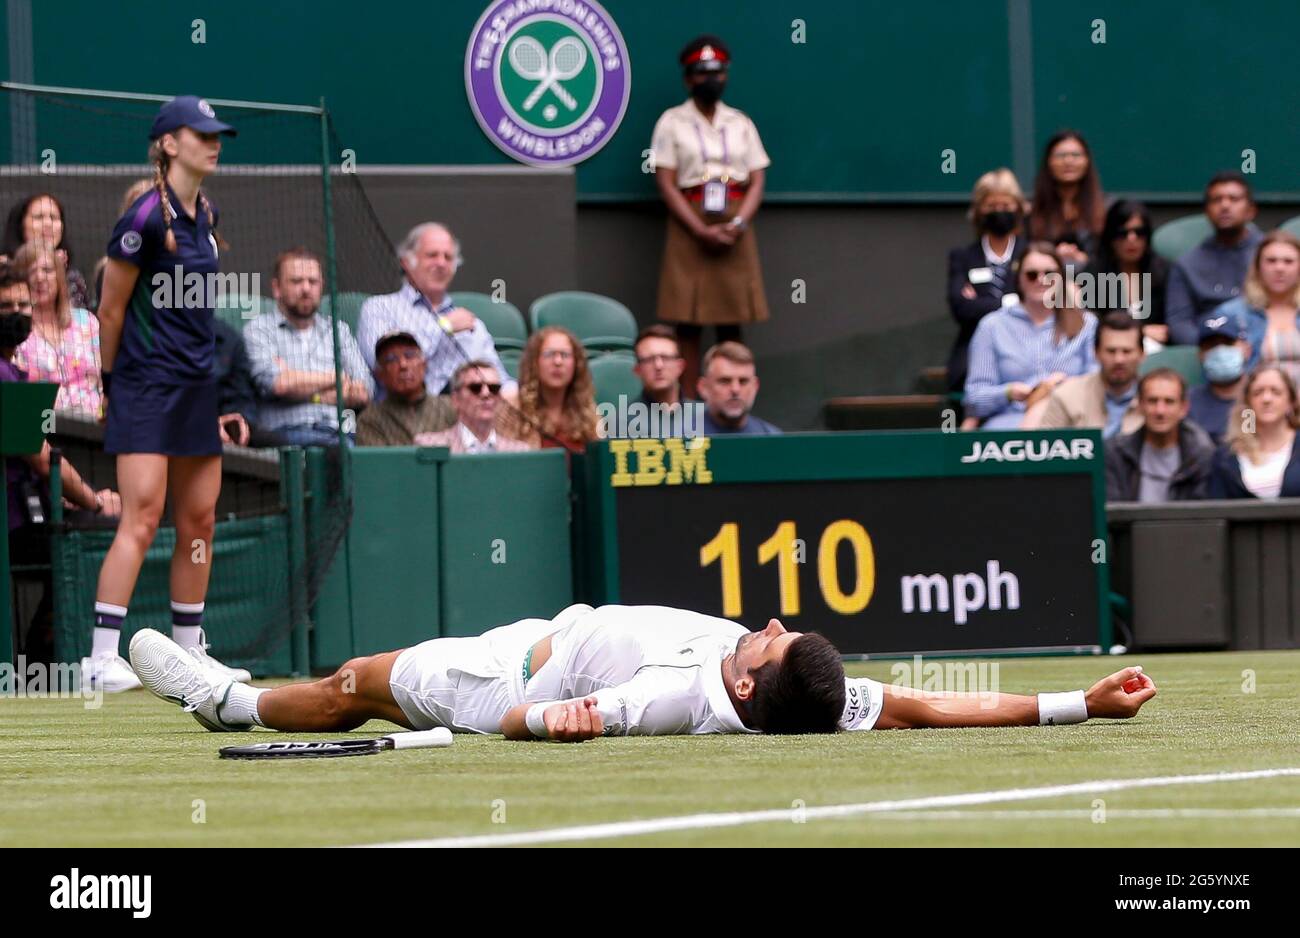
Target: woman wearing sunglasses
[1021,352]
[1127,275]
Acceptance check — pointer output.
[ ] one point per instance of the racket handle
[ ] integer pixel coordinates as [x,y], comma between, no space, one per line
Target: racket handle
[422,739]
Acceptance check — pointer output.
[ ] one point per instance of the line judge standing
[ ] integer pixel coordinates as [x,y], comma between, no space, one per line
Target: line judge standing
[710,167]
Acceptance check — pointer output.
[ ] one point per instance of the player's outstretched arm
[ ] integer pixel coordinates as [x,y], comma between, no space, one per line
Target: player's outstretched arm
[1117,696]
[565,721]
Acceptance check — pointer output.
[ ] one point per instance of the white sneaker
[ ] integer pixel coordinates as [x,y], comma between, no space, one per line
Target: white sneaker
[200,654]
[172,674]
[108,673]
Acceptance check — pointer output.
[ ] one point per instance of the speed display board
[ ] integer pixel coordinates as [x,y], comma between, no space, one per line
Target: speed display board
[887,543]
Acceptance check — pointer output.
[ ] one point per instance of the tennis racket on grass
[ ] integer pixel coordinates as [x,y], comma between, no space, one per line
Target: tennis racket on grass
[425,739]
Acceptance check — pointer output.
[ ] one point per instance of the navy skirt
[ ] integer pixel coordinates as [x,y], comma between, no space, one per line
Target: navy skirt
[171,420]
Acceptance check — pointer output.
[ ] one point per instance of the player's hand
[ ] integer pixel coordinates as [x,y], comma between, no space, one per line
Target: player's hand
[573,721]
[461,319]
[1120,695]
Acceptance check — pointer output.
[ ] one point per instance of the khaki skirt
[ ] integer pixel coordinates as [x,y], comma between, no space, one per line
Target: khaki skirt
[705,288]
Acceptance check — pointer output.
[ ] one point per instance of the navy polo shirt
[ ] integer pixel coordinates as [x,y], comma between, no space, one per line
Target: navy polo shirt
[167,336]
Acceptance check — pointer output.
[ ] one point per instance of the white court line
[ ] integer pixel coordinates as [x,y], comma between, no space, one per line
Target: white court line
[1088,812]
[737,818]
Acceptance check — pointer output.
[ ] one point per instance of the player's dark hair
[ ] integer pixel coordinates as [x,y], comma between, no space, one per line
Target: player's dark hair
[10,276]
[161,161]
[803,693]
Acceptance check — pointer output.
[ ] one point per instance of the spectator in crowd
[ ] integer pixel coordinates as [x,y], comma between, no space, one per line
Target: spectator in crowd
[430,256]
[1020,353]
[236,390]
[1167,458]
[729,385]
[1214,271]
[1105,399]
[659,365]
[476,395]
[64,344]
[407,409]
[1260,458]
[1269,310]
[1127,275]
[1223,351]
[40,219]
[26,477]
[292,355]
[710,167]
[557,401]
[980,274]
[1068,201]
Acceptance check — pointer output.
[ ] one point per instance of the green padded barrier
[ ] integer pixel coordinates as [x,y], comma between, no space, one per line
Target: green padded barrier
[505,539]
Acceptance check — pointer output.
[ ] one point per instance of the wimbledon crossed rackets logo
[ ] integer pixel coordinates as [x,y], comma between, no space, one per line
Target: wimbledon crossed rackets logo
[565,62]
[549,88]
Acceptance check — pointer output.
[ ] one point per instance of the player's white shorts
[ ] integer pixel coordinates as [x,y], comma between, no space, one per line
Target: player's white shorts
[468,684]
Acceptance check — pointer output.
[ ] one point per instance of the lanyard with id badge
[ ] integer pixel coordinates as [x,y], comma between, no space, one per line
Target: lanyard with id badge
[714,200]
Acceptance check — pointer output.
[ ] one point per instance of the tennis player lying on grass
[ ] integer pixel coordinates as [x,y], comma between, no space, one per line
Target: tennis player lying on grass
[612,671]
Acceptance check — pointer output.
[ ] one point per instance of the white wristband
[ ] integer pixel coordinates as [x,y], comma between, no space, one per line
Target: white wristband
[534,721]
[1060,709]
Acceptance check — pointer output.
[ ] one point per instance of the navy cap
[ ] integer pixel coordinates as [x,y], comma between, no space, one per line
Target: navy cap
[1225,326]
[188,111]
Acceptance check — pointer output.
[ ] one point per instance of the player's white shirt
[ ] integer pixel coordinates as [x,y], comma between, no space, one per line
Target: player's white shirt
[653,670]
[657,670]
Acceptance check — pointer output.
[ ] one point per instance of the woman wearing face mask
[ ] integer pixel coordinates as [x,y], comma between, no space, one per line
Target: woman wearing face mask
[979,274]
[1124,257]
[710,167]
[1260,458]
[1021,352]
[1269,307]
[27,477]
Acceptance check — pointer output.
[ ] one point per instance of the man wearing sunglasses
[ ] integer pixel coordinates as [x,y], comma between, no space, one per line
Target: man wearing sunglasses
[476,395]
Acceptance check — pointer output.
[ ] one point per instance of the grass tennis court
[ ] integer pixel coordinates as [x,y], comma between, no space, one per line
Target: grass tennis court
[130,773]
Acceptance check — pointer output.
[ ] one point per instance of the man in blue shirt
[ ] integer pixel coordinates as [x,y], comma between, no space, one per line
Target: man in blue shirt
[728,384]
[422,307]
[1214,271]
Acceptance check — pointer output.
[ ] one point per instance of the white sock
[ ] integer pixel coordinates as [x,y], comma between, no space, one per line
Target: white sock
[241,704]
[107,641]
[187,636]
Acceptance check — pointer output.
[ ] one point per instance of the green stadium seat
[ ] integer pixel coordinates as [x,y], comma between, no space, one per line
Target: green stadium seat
[349,307]
[510,358]
[1184,359]
[1291,226]
[502,319]
[238,310]
[613,377]
[600,323]
[1175,238]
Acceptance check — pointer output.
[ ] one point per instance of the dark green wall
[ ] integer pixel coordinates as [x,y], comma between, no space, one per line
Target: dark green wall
[861,110]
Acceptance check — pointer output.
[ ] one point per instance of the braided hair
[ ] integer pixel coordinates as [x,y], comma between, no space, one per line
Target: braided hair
[161,162]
